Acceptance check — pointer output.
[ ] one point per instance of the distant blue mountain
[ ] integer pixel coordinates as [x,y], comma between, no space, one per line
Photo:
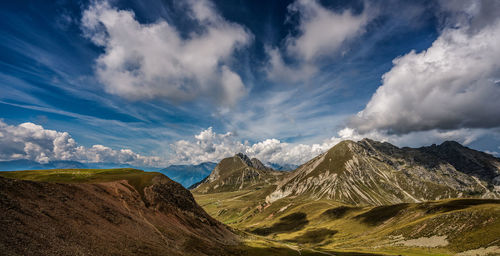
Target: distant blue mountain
[184,174]
[282,167]
[24,164]
[187,175]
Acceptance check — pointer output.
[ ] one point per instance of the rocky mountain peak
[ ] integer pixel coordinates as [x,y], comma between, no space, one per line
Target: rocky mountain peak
[244,158]
[451,143]
[254,162]
[375,173]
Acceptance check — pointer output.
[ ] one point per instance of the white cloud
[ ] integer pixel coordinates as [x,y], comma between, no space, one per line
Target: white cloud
[147,61]
[33,142]
[209,146]
[321,33]
[452,85]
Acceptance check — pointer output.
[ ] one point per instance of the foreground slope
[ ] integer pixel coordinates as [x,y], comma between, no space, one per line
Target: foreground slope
[104,212]
[115,212]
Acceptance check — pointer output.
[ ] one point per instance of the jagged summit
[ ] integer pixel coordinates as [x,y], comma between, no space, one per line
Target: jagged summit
[254,162]
[376,173]
[369,172]
[244,158]
[237,172]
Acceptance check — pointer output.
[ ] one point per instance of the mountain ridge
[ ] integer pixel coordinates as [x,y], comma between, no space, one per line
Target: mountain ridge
[188,174]
[369,172]
[371,196]
[237,172]
[378,173]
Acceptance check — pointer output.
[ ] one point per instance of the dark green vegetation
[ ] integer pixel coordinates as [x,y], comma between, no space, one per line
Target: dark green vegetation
[314,236]
[454,205]
[379,214]
[293,222]
[338,212]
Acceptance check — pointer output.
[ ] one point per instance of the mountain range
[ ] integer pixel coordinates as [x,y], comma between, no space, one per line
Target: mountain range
[358,198]
[25,164]
[365,195]
[188,175]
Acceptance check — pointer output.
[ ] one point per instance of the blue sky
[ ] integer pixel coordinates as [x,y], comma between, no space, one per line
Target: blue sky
[161,82]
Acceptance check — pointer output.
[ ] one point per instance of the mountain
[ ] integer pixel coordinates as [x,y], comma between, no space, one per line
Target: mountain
[188,175]
[104,212]
[282,167]
[374,173]
[25,164]
[237,172]
[367,196]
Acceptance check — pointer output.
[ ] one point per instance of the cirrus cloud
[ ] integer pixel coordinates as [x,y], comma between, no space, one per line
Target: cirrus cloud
[321,33]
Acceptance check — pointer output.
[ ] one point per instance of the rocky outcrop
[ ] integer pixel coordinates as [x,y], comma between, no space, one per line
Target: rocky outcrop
[374,173]
[236,173]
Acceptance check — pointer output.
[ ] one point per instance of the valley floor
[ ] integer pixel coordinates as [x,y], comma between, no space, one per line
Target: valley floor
[325,227]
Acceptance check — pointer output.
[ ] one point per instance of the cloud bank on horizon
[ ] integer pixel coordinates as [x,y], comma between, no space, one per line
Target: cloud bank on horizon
[33,142]
[215,83]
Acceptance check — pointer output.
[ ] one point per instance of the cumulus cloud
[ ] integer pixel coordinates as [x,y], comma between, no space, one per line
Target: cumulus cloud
[321,33]
[33,142]
[208,146]
[454,84]
[148,61]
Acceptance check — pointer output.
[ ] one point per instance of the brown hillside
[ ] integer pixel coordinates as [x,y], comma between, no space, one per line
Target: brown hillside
[109,218]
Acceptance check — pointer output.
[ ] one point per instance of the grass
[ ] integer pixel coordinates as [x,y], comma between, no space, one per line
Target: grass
[379,214]
[293,222]
[334,227]
[338,212]
[314,236]
[136,178]
[458,204]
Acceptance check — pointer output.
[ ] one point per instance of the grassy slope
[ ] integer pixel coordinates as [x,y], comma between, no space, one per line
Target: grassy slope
[253,245]
[330,226]
[291,224]
[137,178]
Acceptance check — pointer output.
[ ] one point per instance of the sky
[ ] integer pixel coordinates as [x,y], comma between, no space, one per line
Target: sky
[154,83]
